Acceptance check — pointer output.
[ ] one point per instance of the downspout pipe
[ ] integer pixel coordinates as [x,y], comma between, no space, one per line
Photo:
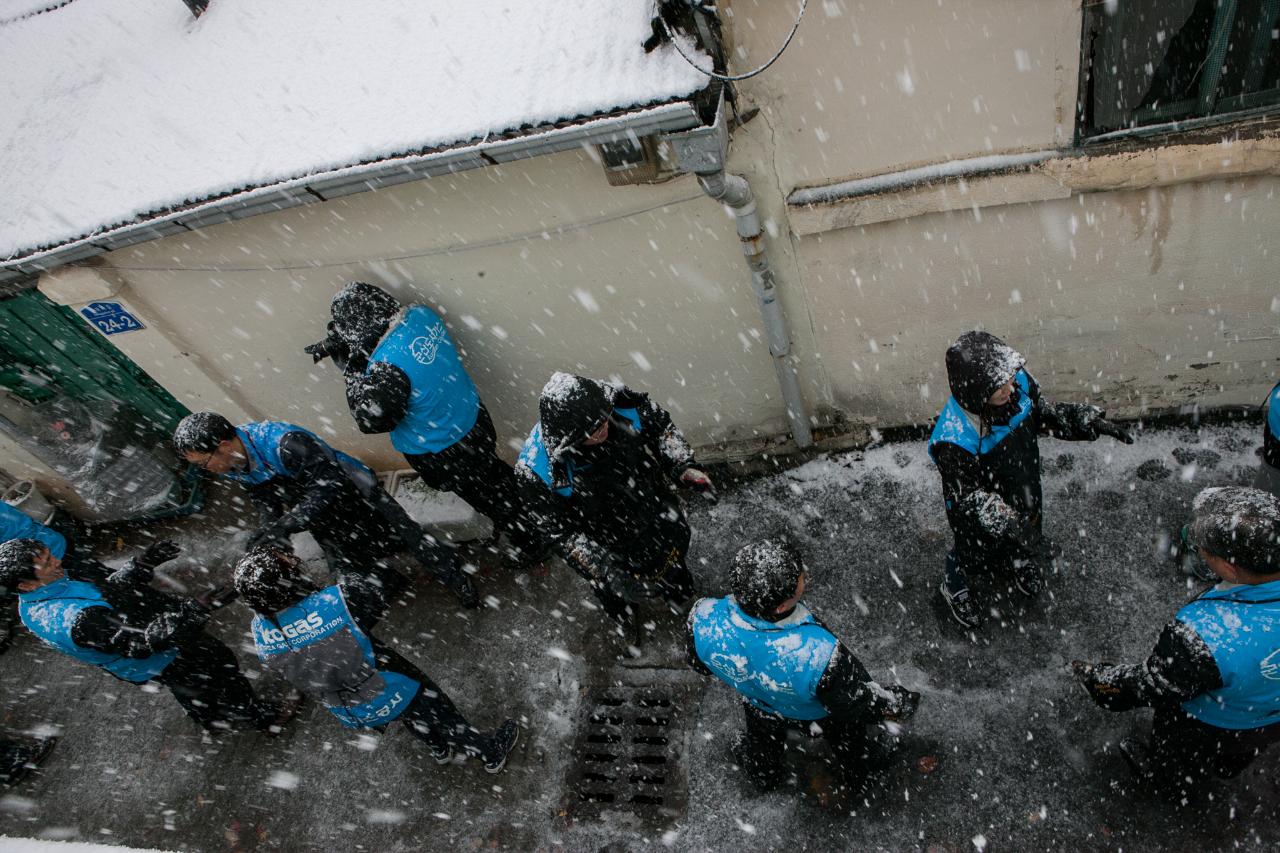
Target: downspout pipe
[704,152]
[734,192]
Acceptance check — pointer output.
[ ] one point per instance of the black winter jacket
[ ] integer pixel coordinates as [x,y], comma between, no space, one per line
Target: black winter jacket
[623,500]
[141,621]
[994,499]
[1180,668]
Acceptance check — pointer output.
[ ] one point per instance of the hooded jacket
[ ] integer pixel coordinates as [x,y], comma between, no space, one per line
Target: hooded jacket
[989,458]
[617,496]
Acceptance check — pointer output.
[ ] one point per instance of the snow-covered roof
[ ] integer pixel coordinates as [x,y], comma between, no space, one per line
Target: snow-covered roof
[116,110]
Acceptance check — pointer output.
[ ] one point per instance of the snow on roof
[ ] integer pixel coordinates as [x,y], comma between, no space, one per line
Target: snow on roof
[119,108]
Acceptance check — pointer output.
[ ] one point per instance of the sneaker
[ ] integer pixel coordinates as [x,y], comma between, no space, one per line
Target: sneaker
[443,754]
[504,740]
[961,606]
[1135,755]
[1027,578]
[26,756]
[463,590]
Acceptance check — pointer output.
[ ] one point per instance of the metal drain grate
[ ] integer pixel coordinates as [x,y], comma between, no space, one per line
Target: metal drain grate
[628,753]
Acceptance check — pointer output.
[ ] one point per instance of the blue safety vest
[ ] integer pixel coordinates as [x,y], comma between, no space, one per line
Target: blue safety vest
[1241,626]
[262,445]
[443,401]
[955,426]
[317,618]
[776,666]
[50,612]
[534,454]
[16,524]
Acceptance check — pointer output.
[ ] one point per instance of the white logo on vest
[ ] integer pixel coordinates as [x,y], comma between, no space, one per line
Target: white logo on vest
[424,348]
[1270,666]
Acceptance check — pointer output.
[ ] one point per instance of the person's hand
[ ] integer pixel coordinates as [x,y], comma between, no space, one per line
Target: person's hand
[905,703]
[696,479]
[170,628]
[1102,426]
[158,553]
[216,598]
[1101,691]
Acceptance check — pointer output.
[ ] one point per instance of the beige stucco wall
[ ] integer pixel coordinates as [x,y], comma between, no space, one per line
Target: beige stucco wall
[540,266]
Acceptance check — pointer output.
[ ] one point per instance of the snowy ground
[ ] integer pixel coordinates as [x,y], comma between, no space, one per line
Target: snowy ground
[1024,761]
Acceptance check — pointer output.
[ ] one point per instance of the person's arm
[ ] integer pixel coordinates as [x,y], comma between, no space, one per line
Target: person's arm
[102,629]
[847,690]
[1180,668]
[1072,421]
[691,651]
[542,507]
[379,398]
[312,465]
[665,440]
[978,515]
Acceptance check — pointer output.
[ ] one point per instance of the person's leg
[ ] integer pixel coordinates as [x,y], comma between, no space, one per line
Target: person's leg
[761,747]
[472,469]
[850,749]
[206,680]
[434,719]
[432,555]
[1182,755]
[675,581]
[955,592]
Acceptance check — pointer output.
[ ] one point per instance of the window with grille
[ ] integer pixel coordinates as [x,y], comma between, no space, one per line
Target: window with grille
[1161,64]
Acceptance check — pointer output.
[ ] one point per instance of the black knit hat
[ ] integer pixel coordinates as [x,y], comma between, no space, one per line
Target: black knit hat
[570,408]
[978,363]
[202,432]
[765,574]
[361,315]
[18,562]
[1241,525]
[269,580]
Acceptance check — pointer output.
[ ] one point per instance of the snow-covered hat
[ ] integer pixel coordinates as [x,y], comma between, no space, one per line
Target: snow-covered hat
[765,574]
[978,363]
[361,314]
[269,580]
[1241,525]
[570,408]
[202,432]
[18,562]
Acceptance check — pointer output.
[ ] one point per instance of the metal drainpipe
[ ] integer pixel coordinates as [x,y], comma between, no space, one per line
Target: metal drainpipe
[735,192]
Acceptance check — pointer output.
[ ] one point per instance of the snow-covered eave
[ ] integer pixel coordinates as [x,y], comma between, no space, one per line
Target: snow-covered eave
[362,177]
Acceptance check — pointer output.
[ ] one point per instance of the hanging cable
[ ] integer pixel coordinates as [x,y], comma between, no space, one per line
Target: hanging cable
[804,4]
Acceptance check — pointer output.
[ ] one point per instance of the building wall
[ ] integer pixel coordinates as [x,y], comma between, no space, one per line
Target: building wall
[1138,281]
[538,265]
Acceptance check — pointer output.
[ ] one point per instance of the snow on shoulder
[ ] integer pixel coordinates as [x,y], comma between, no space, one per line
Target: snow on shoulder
[118,110]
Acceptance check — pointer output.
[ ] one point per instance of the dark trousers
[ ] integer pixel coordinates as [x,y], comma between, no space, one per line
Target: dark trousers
[432,717]
[655,566]
[471,469]
[206,680]
[1185,753]
[765,744]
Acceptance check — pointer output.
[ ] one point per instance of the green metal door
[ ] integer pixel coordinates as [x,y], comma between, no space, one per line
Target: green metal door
[47,348]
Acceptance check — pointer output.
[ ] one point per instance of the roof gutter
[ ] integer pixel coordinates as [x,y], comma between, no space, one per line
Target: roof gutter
[324,186]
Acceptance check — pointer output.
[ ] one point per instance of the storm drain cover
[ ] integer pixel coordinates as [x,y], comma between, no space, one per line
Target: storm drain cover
[628,756]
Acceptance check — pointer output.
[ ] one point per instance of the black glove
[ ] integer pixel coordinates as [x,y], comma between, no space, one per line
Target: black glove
[1102,426]
[1104,693]
[157,554]
[170,629]
[905,703]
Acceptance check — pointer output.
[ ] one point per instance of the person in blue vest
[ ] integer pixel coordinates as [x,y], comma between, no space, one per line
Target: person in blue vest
[986,447]
[1214,675]
[1268,478]
[404,376]
[298,482]
[789,669]
[319,641]
[599,472]
[116,621]
[16,524]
